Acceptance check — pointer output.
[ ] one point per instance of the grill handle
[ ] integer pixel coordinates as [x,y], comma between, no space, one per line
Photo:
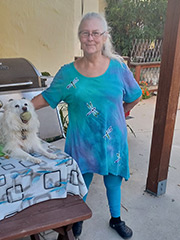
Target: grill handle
[16,84]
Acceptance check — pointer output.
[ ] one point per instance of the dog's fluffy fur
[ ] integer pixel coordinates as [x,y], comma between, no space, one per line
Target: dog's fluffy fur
[19,137]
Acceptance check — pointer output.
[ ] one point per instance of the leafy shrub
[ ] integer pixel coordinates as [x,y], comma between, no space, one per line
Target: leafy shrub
[135,19]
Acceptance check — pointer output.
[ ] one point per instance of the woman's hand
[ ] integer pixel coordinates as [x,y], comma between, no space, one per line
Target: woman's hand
[129,106]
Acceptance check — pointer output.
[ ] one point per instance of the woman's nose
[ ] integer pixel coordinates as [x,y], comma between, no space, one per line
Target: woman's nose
[90,36]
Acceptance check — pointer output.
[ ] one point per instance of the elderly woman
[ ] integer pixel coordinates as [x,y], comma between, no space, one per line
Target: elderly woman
[99,89]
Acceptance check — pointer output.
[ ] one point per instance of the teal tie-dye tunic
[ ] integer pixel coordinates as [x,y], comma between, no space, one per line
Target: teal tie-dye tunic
[97,132]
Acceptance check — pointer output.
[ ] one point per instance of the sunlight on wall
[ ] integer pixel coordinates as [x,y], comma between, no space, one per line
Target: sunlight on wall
[44,32]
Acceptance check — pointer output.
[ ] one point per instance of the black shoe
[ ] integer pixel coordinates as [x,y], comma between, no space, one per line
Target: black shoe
[121,228]
[77,228]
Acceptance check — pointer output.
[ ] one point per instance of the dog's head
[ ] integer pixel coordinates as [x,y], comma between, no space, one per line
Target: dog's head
[20,113]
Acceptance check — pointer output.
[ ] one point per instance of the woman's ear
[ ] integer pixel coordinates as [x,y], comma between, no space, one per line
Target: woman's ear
[105,36]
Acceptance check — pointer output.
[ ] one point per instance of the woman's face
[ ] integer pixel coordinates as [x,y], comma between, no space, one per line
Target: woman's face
[92,36]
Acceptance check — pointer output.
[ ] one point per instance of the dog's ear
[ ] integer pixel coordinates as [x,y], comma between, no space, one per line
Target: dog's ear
[11,100]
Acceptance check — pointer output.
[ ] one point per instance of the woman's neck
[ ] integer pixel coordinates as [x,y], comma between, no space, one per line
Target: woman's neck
[93,58]
[92,66]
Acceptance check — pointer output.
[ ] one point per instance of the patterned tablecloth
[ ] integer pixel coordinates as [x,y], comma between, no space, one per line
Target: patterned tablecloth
[23,183]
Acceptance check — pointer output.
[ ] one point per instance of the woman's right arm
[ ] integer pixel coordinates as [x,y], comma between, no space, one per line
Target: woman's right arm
[39,102]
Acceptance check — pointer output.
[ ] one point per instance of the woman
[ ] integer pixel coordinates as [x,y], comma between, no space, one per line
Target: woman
[99,89]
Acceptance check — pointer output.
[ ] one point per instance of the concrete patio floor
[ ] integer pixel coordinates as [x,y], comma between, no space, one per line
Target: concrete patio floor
[150,217]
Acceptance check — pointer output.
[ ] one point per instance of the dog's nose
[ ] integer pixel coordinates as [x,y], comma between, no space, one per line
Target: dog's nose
[24,109]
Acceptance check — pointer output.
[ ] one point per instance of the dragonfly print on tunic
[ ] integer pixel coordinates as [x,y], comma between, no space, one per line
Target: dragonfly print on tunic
[92,110]
[108,131]
[118,158]
[73,83]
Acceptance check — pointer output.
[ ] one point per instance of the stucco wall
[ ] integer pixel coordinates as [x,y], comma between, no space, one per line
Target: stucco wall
[102,5]
[42,31]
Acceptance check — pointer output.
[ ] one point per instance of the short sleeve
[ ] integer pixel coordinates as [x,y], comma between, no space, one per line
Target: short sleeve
[55,93]
[132,91]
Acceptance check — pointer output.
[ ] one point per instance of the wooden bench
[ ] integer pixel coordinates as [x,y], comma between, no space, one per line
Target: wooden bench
[56,214]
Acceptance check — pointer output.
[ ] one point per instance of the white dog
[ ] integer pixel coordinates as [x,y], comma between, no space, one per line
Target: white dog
[19,126]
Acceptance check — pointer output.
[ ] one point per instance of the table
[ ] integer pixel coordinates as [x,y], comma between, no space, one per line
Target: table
[57,214]
[24,183]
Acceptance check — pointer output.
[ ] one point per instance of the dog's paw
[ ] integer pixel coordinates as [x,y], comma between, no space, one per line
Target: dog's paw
[35,160]
[52,156]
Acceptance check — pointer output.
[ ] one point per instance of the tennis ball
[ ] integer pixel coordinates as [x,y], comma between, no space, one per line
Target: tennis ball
[25,116]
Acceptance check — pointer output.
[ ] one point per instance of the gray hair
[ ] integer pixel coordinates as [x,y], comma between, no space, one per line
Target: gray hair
[108,49]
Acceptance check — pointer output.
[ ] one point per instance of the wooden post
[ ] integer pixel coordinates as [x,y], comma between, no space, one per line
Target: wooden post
[167,101]
[138,73]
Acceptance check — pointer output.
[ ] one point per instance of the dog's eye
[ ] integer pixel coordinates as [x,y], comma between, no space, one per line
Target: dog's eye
[25,104]
[17,106]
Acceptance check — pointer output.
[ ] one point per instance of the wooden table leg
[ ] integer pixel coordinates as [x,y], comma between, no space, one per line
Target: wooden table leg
[35,237]
[65,233]
[68,236]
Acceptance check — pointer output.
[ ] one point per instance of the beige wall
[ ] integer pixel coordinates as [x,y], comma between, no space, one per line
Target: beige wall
[42,31]
[91,6]
[102,5]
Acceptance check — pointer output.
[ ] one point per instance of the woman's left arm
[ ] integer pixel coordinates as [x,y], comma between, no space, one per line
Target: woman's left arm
[129,106]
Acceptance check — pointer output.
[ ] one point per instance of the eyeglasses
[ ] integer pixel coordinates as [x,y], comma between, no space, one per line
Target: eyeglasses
[94,34]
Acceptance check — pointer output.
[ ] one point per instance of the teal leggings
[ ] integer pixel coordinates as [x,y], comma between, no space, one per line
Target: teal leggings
[113,191]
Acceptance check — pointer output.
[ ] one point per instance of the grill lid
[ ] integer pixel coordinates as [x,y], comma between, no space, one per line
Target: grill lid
[18,73]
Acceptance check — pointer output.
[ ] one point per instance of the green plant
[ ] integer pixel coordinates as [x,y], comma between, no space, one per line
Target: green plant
[45,74]
[145,90]
[132,131]
[135,19]
[63,111]
[1,151]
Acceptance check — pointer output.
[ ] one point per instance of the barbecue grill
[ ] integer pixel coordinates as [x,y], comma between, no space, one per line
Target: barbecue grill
[18,73]
[20,79]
